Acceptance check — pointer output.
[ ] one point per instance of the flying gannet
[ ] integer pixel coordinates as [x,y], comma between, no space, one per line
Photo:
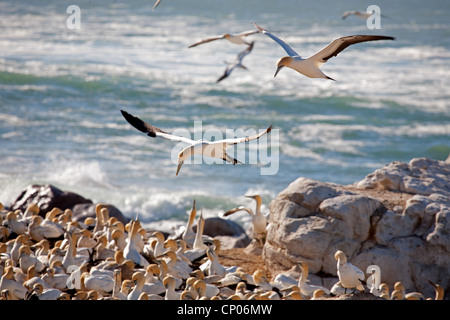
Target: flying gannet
[215,149]
[237,63]
[359,14]
[310,67]
[156,4]
[233,38]
[362,15]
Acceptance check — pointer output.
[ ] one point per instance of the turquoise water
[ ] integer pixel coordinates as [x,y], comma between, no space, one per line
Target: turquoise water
[61,92]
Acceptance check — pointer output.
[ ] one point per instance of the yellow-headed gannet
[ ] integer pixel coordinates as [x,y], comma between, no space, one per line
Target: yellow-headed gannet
[214,267]
[138,280]
[259,221]
[132,251]
[170,285]
[40,229]
[189,235]
[205,290]
[237,63]
[198,241]
[101,283]
[307,289]
[398,286]
[260,279]
[27,259]
[45,294]
[15,224]
[310,67]
[349,275]
[438,289]
[233,38]
[7,282]
[215,149]
[55,280]
[384,291]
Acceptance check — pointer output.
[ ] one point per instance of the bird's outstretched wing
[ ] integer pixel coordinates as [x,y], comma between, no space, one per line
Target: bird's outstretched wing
[231,142]
[226,73]
[247,33]
[156,4]
[151,130]
[206,40]
[348,13]
[339,44]
[245,52]
[283,44]
[230,212]
[237,62]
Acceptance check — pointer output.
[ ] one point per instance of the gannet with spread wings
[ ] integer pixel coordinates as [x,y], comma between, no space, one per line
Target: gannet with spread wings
[310,67]
[233,38]
[237,63]
[215,149]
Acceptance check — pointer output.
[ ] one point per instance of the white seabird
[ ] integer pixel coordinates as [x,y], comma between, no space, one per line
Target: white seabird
[259,221]
[156,4]
[215,149]
[359,14]
[305,288]
[310,67]
[237,63]
[349,275]
[233,38]
[189,235]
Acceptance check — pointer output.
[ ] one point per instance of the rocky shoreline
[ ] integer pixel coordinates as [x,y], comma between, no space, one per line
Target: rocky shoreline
[395,218]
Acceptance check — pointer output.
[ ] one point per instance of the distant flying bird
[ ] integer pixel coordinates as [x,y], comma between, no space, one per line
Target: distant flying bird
[233,38]
[237,63]
[362,15]
[156,4]
[310,67]
[215,149]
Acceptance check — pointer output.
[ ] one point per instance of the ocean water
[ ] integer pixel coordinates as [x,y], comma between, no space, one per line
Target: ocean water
[62,89]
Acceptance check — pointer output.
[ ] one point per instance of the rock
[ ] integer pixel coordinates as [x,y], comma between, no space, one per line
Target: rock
[398,218]
[229,242]
[420,176]
[84,210]
[47,197]
[231,234]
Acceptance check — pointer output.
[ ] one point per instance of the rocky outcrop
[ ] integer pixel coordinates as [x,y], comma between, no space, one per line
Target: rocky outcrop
[84,210]
[397,218]
[47,197]
[230,234]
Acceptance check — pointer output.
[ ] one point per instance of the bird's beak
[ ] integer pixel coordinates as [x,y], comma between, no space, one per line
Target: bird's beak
[278,70]
[179,167]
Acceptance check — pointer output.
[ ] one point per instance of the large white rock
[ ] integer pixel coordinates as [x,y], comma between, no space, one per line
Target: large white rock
[398,218]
